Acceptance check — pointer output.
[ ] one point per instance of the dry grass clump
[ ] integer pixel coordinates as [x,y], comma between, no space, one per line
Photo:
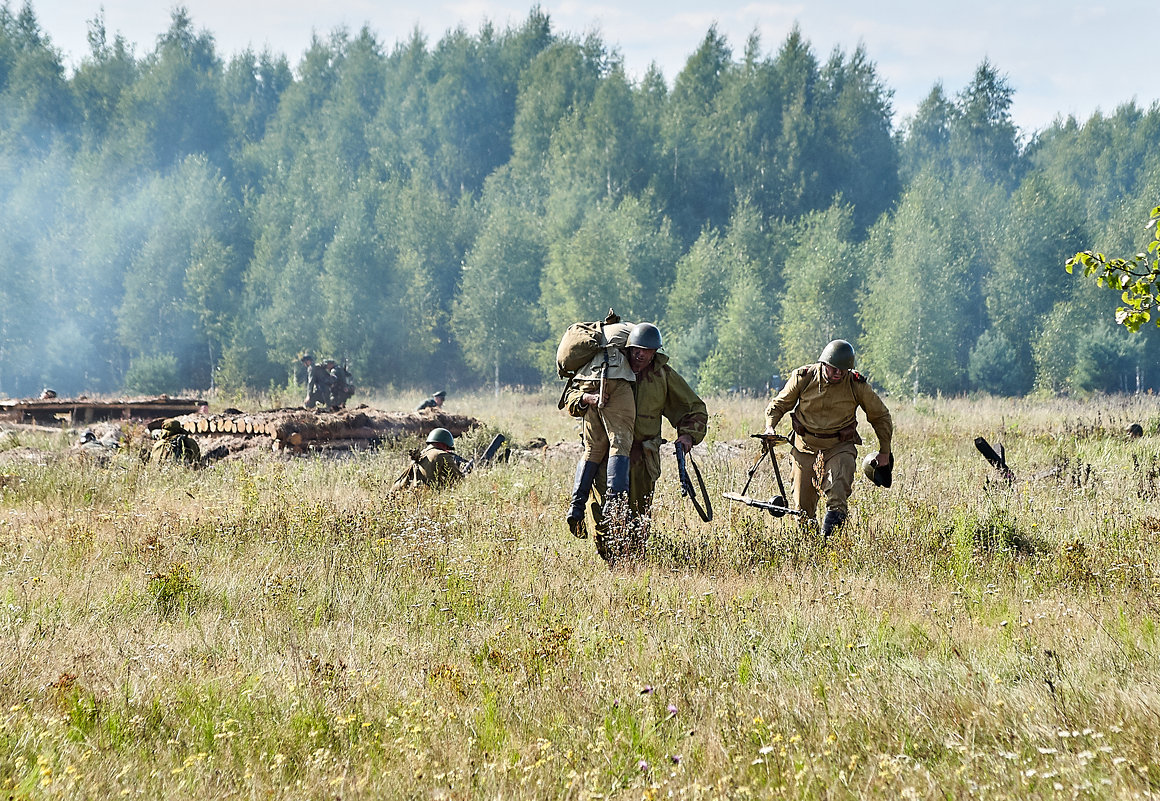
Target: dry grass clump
[284,629]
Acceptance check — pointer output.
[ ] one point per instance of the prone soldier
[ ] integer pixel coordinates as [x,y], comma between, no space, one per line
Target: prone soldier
[436,465]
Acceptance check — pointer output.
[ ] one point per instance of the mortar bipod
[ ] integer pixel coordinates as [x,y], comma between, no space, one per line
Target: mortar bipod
[777,506]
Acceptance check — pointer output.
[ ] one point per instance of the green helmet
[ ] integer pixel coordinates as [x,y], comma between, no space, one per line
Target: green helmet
[645,335]
[306,357]
[881,476]
[838,354]
[173,426]
[442,436]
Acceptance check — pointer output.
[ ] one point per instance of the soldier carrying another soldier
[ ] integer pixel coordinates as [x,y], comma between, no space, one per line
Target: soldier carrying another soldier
[822,400]
[659,392]
[341,384]
[318,382]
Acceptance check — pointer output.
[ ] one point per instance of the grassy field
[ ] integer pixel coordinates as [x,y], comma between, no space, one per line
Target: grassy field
[282,629]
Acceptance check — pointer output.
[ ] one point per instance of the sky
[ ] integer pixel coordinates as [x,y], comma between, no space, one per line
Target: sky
[1061,57]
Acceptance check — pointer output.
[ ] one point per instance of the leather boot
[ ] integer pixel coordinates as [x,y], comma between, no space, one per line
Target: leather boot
[617,476]
[581,486]
[832,522]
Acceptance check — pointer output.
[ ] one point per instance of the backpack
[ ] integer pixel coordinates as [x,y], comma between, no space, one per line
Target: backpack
[580,344]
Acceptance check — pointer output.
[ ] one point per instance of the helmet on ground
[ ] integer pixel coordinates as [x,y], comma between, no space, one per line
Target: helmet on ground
[441,436]
[838,354]
[645,335]
[881,476]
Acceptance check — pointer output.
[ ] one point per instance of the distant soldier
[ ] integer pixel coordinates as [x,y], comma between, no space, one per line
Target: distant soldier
[47,394]
[434,402]
[436,465]
[342,386]
[318,382]
[176,444]
[822,400]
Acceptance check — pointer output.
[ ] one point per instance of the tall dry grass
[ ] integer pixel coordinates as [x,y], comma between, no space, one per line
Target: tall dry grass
[283,629]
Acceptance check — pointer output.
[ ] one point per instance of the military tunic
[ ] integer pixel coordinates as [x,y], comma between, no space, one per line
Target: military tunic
[825,423]
[432,467]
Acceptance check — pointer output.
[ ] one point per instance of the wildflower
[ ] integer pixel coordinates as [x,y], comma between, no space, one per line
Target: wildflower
[675,759]
[642,765]
[647,689]
[672,710]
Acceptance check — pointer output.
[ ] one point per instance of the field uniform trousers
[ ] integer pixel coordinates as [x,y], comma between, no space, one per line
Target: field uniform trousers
[608,431]
[839,463]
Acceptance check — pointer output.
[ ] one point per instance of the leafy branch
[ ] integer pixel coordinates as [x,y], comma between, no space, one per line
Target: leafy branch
[1137,280]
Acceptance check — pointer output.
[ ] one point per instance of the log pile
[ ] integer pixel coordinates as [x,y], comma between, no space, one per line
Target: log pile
[298,430]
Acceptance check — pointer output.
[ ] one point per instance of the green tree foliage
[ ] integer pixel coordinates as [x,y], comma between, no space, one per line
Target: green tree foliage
[173,109]
[982,134]
[100,82]
[821,287]
[706,319]
[36,102]
[745,348]
[437,211]
[619,257]
[157,312]
[993,365]
[492,320]
[1037,232]
[1137,280]
[920,269]
[973,133]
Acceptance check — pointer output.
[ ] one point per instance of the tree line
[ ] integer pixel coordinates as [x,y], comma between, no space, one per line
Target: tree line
[438,212]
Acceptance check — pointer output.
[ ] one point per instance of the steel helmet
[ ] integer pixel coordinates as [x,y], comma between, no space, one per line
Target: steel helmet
[645,335]
[442,436]
[881,476]
[838,354]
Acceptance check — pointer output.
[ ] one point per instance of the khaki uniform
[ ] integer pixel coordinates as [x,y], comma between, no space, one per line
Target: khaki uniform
[659,392]
[608,430]
[431,467]
[176,446]
[825,423]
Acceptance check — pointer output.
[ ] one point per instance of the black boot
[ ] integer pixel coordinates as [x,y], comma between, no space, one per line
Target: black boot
[617,476]
[832,522]
[585,472]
